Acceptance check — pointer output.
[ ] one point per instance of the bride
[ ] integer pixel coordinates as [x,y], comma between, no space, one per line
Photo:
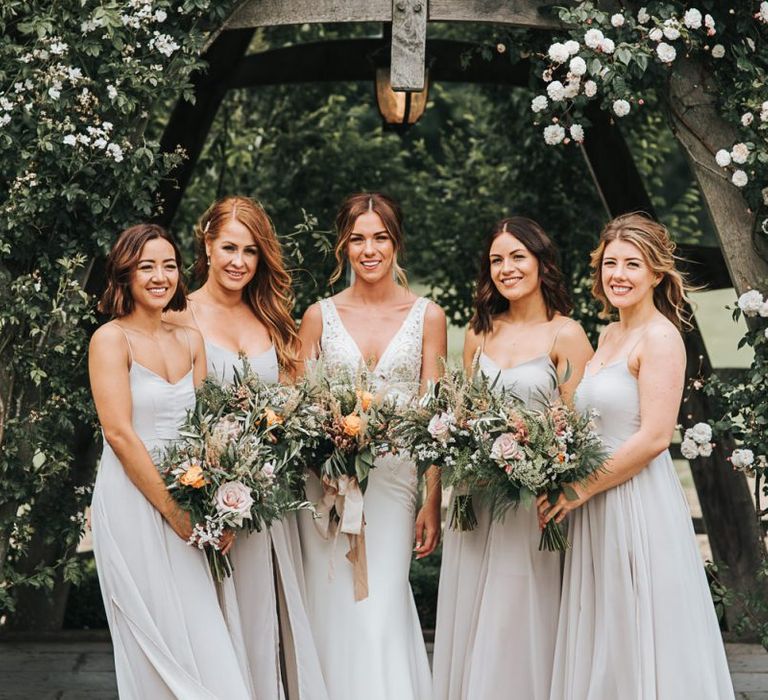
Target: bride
[373,648]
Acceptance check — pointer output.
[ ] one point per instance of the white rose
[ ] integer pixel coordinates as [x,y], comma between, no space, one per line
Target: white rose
[701,433]
[762,13]
[642,15]
[539,103]
[577,132]
[739,178]
[692,18]
[723,158]
[233,500]
[718,51]
[607,45]
[671,30]
[572,46]
[577,66]
[554,134]
[656,34]
[593,37]
[750,302]
[705,449]
[709,23]
[590,88]
[689,449]
[666,53]
[740,153]
[747,118]
[572,88]
[742,458]
[621,108]
[555,90]
[440,426]
[558,53]
[617,20]
[763,310]
[505,448]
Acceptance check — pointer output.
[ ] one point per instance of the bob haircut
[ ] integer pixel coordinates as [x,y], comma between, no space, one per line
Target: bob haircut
[488,299]
[123,259]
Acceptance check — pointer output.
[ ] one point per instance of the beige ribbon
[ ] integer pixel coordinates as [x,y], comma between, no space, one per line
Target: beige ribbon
[345,496]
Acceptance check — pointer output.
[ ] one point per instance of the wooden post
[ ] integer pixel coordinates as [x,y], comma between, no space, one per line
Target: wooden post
[726,502]
[409,37]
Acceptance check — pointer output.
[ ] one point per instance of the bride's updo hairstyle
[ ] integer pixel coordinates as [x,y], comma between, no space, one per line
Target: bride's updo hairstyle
[670,296]
[122,262]
[488,299]
[391,216]
[269,293]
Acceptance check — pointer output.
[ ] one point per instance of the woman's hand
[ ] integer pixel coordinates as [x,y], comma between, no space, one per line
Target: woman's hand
[226,541]
[181,523]
[427,528]
[560,508]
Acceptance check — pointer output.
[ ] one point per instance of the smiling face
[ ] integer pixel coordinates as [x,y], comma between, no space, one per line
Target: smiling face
[514,269]
[370,249]
[156,276]
[234,256]
[626,277]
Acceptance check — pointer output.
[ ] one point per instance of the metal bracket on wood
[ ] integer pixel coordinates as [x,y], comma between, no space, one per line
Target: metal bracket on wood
[409,38]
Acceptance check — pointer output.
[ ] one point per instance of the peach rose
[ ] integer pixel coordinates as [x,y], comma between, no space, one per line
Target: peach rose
[193,476]
[351,425]
[272,418]
[365,398]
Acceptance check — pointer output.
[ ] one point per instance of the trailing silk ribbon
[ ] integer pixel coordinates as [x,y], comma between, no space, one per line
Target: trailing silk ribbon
[345,496]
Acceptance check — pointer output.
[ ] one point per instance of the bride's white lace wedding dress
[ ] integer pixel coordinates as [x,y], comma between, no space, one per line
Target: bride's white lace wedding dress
[373,648]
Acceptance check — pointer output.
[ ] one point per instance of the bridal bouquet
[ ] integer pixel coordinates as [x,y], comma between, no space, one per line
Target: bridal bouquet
[349,422]
[539,451]
[234,464]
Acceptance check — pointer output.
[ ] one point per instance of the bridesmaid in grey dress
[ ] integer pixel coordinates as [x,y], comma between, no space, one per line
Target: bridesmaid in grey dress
[169,636]
[243,309]
[637,619]
[499,596]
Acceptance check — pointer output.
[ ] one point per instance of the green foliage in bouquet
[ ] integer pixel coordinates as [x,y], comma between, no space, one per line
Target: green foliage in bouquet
[350,422]
[236,463]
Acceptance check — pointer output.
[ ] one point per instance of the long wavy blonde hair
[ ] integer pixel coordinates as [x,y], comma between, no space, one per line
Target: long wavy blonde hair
[670,296]
[269,294]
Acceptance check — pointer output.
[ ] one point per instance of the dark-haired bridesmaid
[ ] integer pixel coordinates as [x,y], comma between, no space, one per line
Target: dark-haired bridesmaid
[169,636]
[499,595]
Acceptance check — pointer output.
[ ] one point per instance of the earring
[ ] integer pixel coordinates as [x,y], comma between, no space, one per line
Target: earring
[208,261]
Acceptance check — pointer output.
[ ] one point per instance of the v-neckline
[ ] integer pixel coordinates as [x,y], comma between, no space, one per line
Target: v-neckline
[386,347]
[160,376]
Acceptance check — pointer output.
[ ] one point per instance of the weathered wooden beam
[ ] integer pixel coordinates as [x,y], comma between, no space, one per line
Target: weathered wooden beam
[726,502]
[190,123]
[521,13]
[692,99]
[356,59]
[409,38]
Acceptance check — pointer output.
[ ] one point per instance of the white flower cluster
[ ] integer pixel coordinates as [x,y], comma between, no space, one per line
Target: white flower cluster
[762,14]
[739,154]
[752,304]
[163,43]
[697,441]
[742,459]
[97,137]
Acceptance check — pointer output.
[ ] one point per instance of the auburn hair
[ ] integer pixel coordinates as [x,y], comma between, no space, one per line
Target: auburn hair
[269,293]
[489,301]
[391,216]
[670,296]
[116,300]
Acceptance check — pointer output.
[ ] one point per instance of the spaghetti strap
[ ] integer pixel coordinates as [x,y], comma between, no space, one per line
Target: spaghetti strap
[190,306]
[127,340]
[189,347]
[557,334]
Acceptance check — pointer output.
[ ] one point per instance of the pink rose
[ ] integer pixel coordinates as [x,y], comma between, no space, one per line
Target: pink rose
[233,500]
[505,449]
[440,426]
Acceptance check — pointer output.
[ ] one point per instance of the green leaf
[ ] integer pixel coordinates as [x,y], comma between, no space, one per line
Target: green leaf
[570,492]
[38,460]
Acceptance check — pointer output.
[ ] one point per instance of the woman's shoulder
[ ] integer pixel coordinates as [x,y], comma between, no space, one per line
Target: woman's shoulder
[661,332]
[107,334]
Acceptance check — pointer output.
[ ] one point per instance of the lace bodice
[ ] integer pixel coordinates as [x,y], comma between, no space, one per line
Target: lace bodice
[398,371]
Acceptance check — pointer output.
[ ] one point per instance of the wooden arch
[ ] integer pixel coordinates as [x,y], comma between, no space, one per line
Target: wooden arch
[727,506]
